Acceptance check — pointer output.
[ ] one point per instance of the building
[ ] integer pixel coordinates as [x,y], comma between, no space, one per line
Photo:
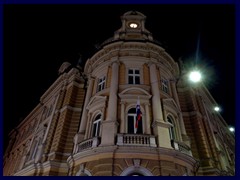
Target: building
[86,122]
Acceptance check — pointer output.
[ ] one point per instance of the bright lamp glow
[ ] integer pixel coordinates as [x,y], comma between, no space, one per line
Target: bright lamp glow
[133,25]
[232,129]
[195,76]
[217,108]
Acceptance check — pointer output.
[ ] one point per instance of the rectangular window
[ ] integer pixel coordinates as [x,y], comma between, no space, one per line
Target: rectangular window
[165,87]
[133,76]
[101,84]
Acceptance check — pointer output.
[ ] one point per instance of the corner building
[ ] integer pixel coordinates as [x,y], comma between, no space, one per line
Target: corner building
[85,122]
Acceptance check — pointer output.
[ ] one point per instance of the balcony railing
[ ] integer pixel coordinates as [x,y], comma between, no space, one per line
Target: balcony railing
[90,143]
[136,140]
[182,147]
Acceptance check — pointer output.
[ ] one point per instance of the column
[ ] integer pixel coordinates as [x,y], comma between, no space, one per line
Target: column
[156,103]
[112,103]
[147,122]
[122,124]
[160,128]
[109,126]
[84,119]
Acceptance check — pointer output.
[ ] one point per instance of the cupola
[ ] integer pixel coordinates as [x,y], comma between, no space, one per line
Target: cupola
[133,27]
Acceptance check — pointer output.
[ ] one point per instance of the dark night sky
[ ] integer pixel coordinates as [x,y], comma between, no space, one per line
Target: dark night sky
[39,38]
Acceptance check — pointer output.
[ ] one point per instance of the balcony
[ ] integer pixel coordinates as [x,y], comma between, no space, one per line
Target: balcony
[136,140]
[182,147]
[89,143]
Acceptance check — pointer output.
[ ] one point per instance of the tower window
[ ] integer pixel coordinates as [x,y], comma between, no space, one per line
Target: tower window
[96,126]
[132,118]
[165,86]
[133,76]
[101,83]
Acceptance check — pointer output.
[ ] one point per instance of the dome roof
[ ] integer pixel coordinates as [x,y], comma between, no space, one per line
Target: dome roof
[134,13]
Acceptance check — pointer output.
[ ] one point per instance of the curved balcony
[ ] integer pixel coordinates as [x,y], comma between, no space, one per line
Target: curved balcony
[89,143]
[182,147]
[136,140]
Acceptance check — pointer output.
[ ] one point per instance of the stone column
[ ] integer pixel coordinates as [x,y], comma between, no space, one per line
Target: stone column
[83,123]
[112,103]
[122,124]
[147,121]
[109,126]
[160,128]
[156,102]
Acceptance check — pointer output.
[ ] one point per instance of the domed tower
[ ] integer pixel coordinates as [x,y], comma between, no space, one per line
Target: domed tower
[131,122]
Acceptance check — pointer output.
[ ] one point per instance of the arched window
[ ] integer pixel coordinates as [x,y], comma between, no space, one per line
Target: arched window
[172,133]
[96,126]
[132,118]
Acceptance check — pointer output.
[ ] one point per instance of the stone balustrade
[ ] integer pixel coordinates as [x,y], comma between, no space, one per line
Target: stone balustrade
[136,140]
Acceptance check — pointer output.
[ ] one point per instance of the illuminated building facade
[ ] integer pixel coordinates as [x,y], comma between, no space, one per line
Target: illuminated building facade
[85,123]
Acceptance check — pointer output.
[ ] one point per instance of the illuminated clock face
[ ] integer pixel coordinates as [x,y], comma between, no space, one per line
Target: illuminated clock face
[133,25]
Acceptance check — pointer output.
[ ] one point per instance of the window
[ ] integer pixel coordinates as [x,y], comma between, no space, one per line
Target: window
[172,133]
[133,76]
[165,85]
[96,126]
[101,84]
[132,117]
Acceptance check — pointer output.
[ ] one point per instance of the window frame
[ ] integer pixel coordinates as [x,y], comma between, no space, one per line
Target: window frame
[96,121]
[134,75]
[101,84]
[134,115]
[172,130]
[165,85]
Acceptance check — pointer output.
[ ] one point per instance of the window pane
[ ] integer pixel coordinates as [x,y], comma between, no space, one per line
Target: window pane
[132,111]
[137,72]
[94,129]
[130,124]
[139,130]
[130,79]
[130,71]
[99,88]
[98,117]
[137,80]
[98,128]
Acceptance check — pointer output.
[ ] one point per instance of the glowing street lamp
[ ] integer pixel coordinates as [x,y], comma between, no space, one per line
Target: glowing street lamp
[195,76]
[217,108]
[232,129]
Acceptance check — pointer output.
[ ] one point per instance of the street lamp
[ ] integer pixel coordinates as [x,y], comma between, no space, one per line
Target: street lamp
[232,129]
[195,76]
[217,108]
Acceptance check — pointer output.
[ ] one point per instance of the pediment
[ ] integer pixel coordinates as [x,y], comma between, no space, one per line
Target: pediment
[169,102]
[97,100]
[134,92]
